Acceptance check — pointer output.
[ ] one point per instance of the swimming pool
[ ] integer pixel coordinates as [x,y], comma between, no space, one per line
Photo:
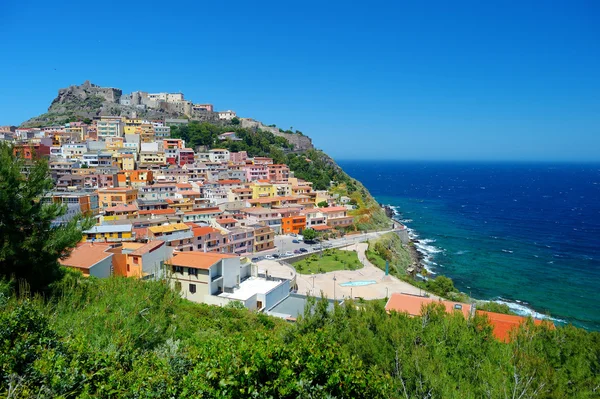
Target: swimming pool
[358,283]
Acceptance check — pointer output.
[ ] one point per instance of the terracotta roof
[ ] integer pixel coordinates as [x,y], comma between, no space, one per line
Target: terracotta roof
[183,185]
[141,232]
[502,324]
[229,181]
[86,255]
[198,260]
[320,227]
[413,304]
[149,247]
[122,208]
[200,231]
[169,211]
[227,220]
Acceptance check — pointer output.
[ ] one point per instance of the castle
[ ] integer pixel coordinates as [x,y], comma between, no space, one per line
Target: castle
[170,102]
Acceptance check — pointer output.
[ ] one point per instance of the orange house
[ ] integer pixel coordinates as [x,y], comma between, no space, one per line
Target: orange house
[116,196]
[293,224]
[142,260]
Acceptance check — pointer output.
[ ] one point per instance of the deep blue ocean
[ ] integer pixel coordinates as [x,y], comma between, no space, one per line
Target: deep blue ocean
[524,234]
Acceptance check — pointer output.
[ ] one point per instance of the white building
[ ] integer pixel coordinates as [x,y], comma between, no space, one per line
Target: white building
[227,115]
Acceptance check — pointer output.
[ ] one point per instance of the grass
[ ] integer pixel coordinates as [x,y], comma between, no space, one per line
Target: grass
[332,260]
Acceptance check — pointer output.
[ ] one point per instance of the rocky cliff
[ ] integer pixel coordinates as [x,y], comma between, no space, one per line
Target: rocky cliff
[86,101]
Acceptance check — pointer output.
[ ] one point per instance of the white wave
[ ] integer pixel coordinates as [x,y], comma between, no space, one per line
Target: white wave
[427,249]
[462,252]
[508,251]
[522,310]
[406,221]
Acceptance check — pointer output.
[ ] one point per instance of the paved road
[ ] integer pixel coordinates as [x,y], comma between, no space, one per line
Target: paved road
[285,243]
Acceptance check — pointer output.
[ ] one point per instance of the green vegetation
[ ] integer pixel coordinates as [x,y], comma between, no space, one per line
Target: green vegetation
[30,245]
[256,143]
[332,260]
[494,307]
[309,234]
[124,338]
[388,247]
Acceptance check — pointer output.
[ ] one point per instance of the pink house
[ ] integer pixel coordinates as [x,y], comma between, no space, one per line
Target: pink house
[238,157]
[256,172]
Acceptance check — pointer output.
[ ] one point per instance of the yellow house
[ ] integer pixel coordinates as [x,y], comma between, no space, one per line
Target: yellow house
[263,189]
[114,143]
[116,196]
[120,212]
[131,125]
[153,158]
[124,161]
[110,233]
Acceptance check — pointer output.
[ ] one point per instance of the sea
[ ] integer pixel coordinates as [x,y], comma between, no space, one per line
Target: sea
[523,234]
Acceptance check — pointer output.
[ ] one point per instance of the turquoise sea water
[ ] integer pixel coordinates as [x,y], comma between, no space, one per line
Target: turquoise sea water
[524,234]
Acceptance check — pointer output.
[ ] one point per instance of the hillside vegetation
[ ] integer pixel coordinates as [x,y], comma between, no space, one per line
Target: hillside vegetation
[122,337]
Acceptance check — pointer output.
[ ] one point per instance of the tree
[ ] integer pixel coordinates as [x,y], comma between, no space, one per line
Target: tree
[235,121]
[30,244]
[309,234]
[323,204]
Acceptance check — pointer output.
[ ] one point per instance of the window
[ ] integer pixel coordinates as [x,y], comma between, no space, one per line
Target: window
[192,271]
[135,260]
[193,288]
[177,269]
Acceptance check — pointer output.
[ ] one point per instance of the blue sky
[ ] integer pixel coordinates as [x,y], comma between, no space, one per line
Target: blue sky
[510,80]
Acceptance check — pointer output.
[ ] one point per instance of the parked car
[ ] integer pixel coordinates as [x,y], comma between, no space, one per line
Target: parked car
[289,253]
[297,251]
[293,234]
[303,250]
[255,259]
[296,241]
[276,256]
[270,257]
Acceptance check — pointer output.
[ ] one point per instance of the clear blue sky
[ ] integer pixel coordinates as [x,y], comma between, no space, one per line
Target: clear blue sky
[388,80]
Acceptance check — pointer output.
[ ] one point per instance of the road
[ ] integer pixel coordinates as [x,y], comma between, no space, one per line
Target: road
[285,243]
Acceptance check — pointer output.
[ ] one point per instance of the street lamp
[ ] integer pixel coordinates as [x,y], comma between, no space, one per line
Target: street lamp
[334,280]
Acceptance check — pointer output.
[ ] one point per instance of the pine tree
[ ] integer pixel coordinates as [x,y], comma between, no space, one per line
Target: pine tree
[30,244]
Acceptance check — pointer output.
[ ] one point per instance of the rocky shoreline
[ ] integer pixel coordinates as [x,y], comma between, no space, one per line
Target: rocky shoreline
[416,255]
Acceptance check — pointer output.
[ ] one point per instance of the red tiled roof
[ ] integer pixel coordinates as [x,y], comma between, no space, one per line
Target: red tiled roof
[149,247]
[158,212]
[320,227]
[141,232]
[200,231]
[413,304]
[503,324]
[86,255]
[227,220]
[198,260]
